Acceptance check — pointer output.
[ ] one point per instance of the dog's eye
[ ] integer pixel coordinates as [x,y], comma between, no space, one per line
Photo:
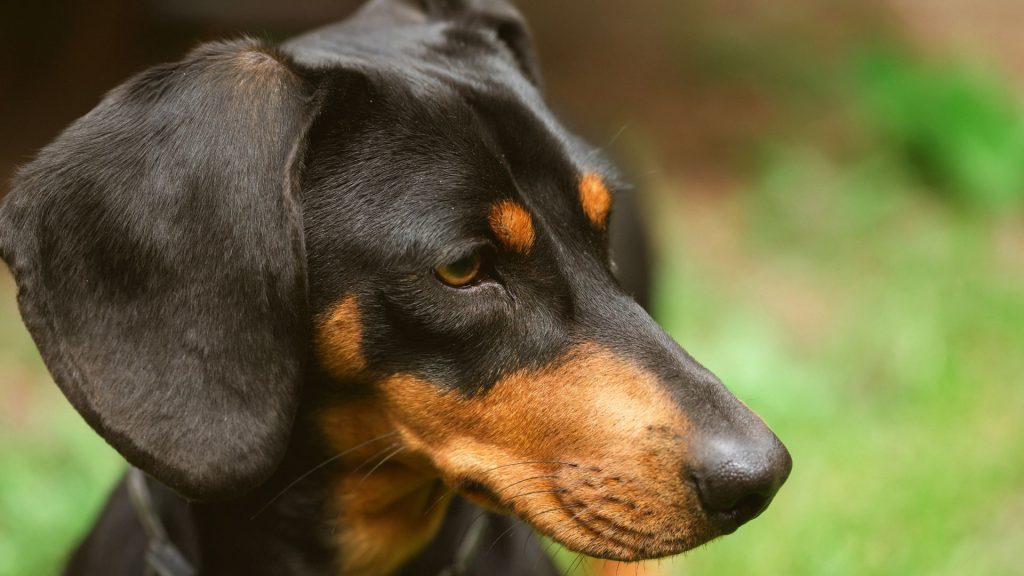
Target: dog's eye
[462,272]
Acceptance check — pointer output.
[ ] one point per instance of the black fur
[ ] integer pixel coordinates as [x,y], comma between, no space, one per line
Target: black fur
[160,266]
[172,247]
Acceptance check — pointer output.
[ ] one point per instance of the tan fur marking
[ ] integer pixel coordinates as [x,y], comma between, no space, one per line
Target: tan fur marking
[596,199]
[513,225]
[338,339]
[378,542]
[589,449]
[572,409]
[386,517]
[611,419]
[382,517]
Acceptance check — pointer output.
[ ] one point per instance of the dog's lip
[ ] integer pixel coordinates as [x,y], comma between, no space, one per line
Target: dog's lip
[613,540]
[579,532]
[620,543]
[554,508]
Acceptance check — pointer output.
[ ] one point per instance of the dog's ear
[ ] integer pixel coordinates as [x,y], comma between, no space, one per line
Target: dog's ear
[158,251]
[498,15]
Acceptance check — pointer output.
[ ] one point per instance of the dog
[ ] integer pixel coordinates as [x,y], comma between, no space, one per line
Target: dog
[347,306]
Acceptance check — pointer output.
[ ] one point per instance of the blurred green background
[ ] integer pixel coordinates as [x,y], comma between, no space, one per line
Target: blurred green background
[836,191]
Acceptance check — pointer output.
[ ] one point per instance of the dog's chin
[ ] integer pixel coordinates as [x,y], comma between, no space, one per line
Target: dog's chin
[595,534]
[603,525]
[626,547]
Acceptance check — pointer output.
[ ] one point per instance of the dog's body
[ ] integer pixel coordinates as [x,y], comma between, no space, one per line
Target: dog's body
[315,290]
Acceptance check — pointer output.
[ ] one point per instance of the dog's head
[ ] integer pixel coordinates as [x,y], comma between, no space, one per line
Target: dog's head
[385,208]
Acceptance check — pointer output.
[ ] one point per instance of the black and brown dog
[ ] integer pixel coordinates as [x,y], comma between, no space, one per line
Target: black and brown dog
[308,288]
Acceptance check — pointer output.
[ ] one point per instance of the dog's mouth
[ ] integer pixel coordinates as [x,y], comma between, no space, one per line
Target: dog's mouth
[594,511]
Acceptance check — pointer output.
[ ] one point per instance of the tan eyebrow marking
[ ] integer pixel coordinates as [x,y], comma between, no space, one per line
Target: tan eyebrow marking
[513,225]
[596,199]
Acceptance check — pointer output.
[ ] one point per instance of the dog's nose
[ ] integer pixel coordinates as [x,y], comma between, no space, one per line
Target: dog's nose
[737,478]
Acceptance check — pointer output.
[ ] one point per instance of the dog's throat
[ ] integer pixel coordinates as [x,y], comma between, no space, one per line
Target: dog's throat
[384,522]
[386,502]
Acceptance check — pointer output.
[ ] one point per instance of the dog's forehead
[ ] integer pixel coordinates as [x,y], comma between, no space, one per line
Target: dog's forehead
[457,129]
[455,52]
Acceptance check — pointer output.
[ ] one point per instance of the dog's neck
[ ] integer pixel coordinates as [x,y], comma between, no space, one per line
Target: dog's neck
[331,510]
[387,502]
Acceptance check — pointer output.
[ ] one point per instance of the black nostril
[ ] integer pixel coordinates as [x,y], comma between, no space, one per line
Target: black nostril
[734,494]
[737,482]
[746,508]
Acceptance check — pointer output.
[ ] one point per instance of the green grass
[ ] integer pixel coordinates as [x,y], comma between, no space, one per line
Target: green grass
[956,127]
[55,472]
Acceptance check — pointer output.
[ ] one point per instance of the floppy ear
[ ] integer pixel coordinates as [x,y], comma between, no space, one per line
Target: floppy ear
[158,251]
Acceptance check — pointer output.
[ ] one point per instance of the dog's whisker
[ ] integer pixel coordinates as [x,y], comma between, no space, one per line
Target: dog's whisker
[505,533]
[551,544]
[573,565]
[500,490]
[381,463]
[447,491]
[318,467]
[560,462]
[618,134]
[469,526]
[550,491]
[374,457]
[645,540]
[500,536]
[582,561]
[547,549]
[337,522]
[483,512]
[603,532]
[549,510]
[549,476]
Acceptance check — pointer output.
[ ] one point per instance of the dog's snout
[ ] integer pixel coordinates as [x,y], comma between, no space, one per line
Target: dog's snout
[737,478]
